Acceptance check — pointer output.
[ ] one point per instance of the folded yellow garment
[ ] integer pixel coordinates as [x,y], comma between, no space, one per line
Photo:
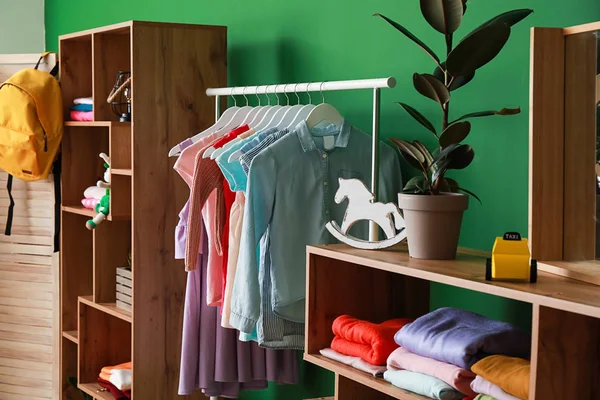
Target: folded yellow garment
[509,373]
[108,370]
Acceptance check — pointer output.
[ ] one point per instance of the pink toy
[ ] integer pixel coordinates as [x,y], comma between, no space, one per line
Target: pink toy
[90,203]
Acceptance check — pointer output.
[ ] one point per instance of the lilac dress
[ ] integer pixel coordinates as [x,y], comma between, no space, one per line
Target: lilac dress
[212,358]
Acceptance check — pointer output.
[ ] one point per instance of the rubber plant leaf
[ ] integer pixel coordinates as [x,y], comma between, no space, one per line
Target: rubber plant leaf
[458,81]
[477,49]
[431,87]
[417,184]
[455,188]
[461,157]
[509,18]
[412,37]
[419,118]
[425,151]
[454,134]
[410,153]
[440,169]
[444,16]
[479,114]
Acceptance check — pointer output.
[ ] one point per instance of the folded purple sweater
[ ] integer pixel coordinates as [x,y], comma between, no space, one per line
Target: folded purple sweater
[462,338]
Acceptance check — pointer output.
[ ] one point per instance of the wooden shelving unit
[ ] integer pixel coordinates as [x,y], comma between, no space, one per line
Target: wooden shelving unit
[172,65]
[379,285]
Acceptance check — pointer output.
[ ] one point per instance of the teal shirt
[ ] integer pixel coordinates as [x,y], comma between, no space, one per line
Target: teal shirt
[232,171]
[290,194]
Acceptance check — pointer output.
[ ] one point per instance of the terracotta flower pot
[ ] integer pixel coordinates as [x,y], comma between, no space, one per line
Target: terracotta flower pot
[433,224]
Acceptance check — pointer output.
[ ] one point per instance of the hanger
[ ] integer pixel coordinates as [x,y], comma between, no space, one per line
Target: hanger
[225,118]
[304,111]
[263,110]
[291,112]
[263,123]
[324,112]
[278,116]
[235,122]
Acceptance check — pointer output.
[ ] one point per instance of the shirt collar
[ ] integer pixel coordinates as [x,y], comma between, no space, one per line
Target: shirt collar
[308,143]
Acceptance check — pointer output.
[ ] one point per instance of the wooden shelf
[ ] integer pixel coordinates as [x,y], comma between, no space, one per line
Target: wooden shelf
[468,272]
[109,308]
[89,63]
[381,285]
[81,210]
[378,384]
[73,336]
[96,391]
[121,171]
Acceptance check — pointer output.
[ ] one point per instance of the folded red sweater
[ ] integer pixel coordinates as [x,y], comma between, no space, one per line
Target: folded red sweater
[371,342]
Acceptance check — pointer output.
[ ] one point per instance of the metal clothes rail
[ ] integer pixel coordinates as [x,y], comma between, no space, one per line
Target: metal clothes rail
[361,84]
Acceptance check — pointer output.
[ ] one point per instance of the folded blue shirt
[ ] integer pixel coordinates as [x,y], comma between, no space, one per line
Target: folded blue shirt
[422,384]
[462,338]
[82,107]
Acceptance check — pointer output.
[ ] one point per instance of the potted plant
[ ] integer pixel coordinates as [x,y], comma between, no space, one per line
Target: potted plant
[432,203]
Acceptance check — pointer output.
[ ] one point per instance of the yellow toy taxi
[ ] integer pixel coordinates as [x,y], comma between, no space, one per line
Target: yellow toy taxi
[511,260]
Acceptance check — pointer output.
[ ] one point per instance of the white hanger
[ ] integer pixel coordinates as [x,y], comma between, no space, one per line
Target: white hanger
[263,110]
[254,112]
[235,122]
[291,112]
[304,111]
[324,112]
[223,120]
[278,116]
[263,123]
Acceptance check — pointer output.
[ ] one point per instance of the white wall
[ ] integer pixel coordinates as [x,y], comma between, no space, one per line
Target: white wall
[22,26]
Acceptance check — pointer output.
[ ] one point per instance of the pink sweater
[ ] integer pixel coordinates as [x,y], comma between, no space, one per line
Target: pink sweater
[457,377]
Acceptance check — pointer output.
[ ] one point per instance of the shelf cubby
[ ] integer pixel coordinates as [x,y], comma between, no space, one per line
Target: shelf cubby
[112,53]
[75,69]
[68,361]
[104,340]
[112,243]
[76,261]
[82,166]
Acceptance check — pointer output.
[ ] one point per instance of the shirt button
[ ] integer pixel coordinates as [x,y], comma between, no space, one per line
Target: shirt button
[325,183]
[324,155]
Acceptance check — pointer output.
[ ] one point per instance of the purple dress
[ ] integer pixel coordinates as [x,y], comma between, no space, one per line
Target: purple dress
[212,358]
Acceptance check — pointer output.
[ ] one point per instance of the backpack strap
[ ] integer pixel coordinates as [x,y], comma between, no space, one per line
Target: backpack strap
[11,207]
[54,71]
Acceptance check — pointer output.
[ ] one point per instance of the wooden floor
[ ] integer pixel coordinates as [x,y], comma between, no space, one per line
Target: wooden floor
[28,271]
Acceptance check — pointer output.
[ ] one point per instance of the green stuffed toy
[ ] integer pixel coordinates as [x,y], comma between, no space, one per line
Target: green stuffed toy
[102,208]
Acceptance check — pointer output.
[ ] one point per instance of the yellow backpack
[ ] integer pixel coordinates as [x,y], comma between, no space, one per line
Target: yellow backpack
[31,123]
[31,127]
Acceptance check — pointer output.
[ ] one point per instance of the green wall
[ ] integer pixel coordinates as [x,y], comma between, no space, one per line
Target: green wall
[275,41]
[21,26]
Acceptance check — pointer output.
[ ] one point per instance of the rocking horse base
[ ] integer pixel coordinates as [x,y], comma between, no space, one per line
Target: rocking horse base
[335,230]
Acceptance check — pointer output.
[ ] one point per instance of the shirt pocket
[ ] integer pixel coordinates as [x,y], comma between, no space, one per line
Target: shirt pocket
[348,174]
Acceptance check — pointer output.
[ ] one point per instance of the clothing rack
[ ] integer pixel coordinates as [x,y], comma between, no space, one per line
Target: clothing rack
[361,84]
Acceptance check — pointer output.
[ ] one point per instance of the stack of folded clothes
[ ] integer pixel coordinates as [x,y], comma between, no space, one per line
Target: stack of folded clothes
[452,354]
[502,377]
[82,109]
[363,345]
[117,380]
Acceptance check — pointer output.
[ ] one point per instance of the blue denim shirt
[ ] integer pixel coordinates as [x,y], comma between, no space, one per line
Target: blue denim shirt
[290,191]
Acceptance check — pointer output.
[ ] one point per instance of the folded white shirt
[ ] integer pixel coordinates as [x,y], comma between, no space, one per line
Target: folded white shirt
[121,378]
[83,100]
[356,362]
